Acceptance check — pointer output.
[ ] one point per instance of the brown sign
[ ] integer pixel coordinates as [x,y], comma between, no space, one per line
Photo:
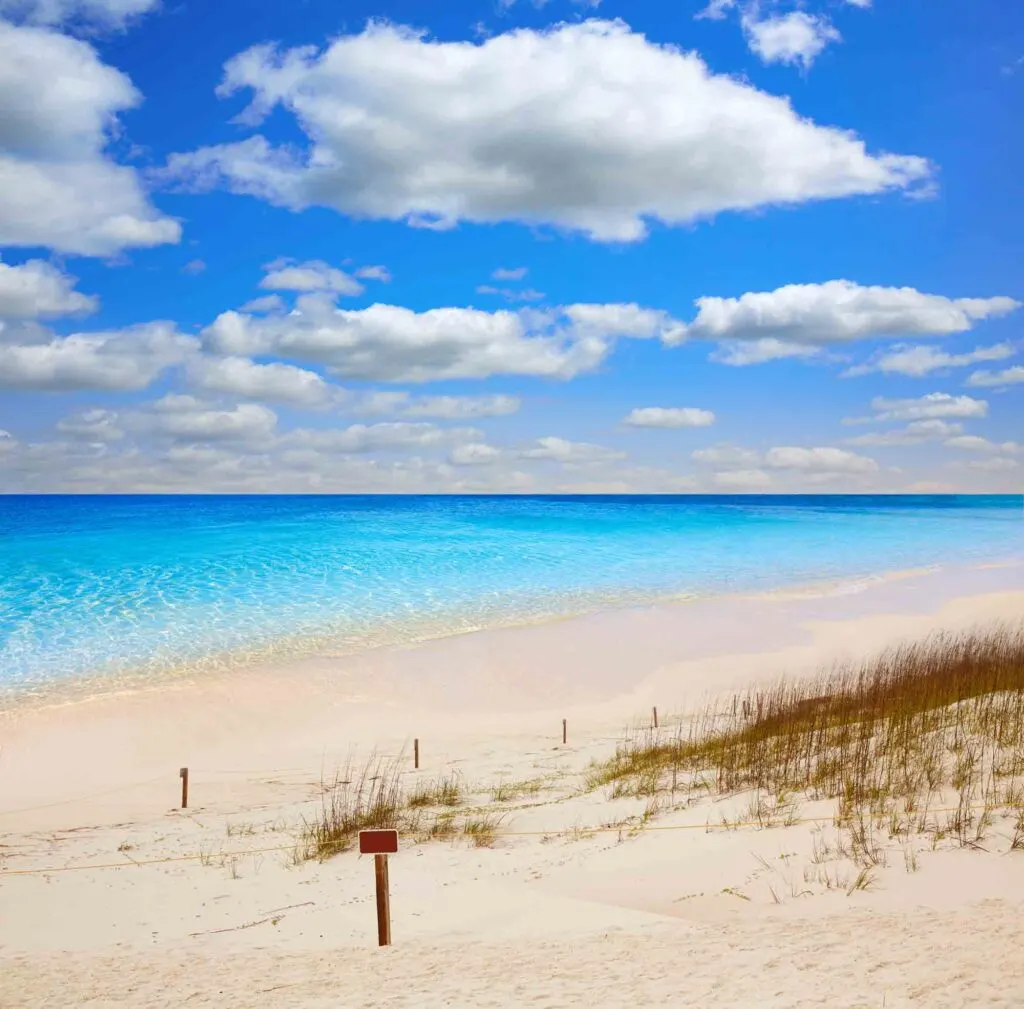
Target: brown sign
[378,842]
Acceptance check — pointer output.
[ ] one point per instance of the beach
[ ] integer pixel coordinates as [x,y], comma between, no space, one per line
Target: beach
[112,895]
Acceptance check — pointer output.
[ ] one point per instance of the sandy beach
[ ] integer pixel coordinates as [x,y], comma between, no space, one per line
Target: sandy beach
[112,896]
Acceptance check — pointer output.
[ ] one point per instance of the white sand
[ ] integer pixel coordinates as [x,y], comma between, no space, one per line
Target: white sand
[671,917]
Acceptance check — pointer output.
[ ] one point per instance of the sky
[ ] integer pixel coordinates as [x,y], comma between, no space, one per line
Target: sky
[511,246]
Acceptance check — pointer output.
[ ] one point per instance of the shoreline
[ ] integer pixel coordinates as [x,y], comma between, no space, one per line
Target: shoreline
[597,670]
[85,689]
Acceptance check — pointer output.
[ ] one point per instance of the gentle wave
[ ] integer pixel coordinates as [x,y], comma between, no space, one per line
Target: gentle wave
[130,588]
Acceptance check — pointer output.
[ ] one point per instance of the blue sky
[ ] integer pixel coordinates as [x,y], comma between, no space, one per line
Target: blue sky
[511,247]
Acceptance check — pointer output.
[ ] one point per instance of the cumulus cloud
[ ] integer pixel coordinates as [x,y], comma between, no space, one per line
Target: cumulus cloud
[819,460]
[99,13]
[474,454]
[359,438]
[915,433]
[836,312]
[37,290]
[996,379]
[997,465]
[658,416]
[265,303]
[934,405]
[974,443]
[807,461]
[796,37]
[58,187]
[739,355]
[119,360]
[186,418]
[390,343]
[922,360]
[92,425]
[588,127]
[381,273]
[275,382]
[571,452]
[284,275]
[726,455]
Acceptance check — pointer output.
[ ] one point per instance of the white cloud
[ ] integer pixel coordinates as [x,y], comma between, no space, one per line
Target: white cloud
[280,383]
[185,418]
[58,188]
[974,443]
[657,416]
[726,455]
[474,454]
[923,360]
[311,276]
[127,359]
[986,379]
[743,479]
[572,452]
[505,273]
[587,126]
[796,37]
[462,407]
[934,405]
[360,438]
[92,425]
[739,355]
[715,10]
[863,4]
[997,465]
[915,433]
[819,460]
[194,267]
[101,13]
[390,343]
[37,290]
[266,303]
[511,294]
[381,273]
[837,312]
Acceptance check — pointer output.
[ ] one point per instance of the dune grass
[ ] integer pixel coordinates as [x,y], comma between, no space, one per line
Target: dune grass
[444,790]
[941,720]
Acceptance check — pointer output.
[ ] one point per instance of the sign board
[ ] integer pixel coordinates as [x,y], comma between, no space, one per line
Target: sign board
[378,842]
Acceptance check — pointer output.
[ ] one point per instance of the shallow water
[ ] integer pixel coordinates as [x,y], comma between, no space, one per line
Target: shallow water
[109,586]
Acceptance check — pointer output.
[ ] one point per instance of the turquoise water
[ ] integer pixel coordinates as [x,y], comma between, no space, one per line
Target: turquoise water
[108,586]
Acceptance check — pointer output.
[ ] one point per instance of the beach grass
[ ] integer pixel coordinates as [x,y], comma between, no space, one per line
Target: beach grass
[939,722]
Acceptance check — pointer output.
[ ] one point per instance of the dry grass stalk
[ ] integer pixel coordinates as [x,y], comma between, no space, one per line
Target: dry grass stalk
[887,740]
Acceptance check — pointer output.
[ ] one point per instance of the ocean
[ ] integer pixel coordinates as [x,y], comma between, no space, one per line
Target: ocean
[139,586]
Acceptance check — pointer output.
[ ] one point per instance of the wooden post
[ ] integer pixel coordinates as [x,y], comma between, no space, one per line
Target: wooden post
[380,866]
[183,774]
[564,732]
[416,754]
[655,717]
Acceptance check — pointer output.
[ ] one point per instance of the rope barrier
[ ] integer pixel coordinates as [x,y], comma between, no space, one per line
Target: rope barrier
[572,831]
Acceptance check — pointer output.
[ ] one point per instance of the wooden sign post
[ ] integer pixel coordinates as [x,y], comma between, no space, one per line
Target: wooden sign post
[416,754]
[655,717]
[565,731]
[183,774]
[380,844]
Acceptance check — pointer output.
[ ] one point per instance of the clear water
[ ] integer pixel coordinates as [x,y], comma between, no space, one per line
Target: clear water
[109,586]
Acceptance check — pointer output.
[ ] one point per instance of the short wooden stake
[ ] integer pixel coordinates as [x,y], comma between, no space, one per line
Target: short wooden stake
[380,867]
[565,734]
[416,754]
[183,774]
[655,717]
